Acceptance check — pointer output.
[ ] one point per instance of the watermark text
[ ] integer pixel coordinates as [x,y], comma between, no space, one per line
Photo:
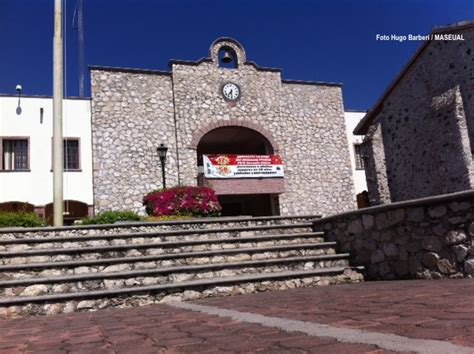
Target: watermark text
[418,37]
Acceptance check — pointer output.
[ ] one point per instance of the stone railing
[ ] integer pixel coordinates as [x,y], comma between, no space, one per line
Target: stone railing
[424,238]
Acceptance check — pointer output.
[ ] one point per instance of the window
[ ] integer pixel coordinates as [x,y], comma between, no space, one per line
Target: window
[359,157]
[71,154]
[72,157]
[15,154]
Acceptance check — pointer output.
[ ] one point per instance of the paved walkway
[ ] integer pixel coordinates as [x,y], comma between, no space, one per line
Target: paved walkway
[372,317]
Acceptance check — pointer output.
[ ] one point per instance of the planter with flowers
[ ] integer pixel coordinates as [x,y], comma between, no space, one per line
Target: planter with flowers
[182,201]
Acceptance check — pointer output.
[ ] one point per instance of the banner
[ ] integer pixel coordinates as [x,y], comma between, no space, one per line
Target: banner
[242,166]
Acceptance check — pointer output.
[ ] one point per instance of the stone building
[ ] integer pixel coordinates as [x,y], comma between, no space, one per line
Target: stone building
[222,104]
[420,134]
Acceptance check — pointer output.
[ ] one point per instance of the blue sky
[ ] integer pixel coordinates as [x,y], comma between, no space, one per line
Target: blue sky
[331,40]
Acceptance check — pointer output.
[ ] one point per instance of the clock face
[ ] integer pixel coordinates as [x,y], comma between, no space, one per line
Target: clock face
[231,91]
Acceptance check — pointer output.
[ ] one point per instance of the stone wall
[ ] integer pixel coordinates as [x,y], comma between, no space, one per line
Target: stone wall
[427,126]
[425,238]
[132,113]
[135,110]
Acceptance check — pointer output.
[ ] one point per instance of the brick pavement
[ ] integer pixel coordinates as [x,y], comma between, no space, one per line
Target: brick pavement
[441,310]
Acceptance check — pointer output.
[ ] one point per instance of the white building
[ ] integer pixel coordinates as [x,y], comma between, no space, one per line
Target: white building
[352,118]
[26,129]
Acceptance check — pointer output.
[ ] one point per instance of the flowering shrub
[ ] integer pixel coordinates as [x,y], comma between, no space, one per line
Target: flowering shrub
[182,201]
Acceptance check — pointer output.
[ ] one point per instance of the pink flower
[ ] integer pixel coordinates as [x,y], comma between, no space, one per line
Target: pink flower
[189,201]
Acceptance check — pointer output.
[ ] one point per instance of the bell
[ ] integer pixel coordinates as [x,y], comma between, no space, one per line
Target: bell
[227,58]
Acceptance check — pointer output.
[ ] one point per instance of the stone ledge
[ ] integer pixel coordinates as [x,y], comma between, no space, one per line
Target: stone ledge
[130,70]
[429,238]
[314,83]
[439,199]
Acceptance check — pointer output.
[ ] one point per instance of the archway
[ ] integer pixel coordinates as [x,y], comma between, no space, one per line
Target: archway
[73,209]
[233,140]
[241,196]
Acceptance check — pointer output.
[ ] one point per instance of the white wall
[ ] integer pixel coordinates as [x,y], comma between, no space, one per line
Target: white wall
[36,186]
[352,118]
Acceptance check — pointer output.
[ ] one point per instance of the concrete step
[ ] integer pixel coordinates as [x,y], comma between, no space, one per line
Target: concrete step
[29,238]
[192,225]
[156,293]
[106,262]
[161,248]
[49,255]
[175,274]
[18,247]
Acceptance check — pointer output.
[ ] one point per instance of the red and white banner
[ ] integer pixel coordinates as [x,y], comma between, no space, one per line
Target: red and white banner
[242,166]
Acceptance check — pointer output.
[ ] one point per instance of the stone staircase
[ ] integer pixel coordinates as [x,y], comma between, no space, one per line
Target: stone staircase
[55,270]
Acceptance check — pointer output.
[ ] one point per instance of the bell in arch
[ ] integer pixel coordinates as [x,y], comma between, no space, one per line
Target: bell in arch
[227,57]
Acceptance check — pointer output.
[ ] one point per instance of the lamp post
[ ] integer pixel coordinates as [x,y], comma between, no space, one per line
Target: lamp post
[18,89]
[162,150]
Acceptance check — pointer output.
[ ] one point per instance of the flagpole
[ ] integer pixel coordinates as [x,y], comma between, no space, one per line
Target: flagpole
[58,115]
[80,27]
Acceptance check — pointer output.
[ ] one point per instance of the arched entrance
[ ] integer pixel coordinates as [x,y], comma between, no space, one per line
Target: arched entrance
[73,210]
[240,196]
[233,140]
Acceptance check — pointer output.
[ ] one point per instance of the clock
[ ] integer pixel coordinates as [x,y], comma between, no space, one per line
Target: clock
[231,91]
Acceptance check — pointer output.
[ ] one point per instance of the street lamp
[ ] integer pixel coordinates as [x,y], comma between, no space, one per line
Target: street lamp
[162,150]
[18,89]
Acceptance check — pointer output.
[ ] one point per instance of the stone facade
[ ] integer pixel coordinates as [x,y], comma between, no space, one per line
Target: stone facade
[318,167]
[133,111]
[131,114]
[428,238]
[420,133]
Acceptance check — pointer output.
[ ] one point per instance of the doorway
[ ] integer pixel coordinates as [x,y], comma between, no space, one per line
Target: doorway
[236,140]
[73,210]
[249,204]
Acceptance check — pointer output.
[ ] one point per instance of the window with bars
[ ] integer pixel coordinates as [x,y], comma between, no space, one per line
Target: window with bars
[359,157]
[71,154]
[15,154]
